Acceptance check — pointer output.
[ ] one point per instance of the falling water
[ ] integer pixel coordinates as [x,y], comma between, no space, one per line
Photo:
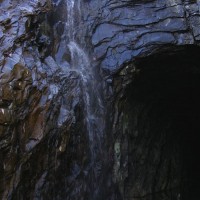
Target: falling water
[92,101]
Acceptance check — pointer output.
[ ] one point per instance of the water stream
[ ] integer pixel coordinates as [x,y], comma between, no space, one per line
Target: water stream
[93,106]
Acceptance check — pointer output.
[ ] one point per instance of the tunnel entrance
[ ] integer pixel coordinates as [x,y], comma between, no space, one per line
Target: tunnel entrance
[162,112]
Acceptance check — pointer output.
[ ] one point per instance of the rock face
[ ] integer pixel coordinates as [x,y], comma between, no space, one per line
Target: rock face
[41,106]
[144,151]
[123,31]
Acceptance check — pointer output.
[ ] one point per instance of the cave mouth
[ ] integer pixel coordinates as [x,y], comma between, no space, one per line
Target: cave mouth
[162,113]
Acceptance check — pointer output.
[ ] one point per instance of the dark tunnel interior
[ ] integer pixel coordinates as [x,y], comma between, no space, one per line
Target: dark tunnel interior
[163,109]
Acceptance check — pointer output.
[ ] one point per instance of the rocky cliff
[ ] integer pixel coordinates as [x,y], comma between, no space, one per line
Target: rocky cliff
[144,102]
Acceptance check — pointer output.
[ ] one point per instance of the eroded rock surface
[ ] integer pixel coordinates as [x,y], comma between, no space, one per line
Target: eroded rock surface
[40,105]
[123,31]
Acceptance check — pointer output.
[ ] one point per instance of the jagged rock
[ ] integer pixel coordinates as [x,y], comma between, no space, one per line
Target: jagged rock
[37,101]
[123,31]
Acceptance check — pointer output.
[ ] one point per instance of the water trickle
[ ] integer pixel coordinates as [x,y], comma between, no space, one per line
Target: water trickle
[93,106]
[73,16]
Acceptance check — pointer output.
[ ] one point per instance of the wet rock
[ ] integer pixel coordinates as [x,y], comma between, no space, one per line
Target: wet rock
[43,132]
[5,116]
[53,66]
[125,31]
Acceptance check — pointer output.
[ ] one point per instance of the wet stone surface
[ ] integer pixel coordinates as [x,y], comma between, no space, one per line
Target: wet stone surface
[126,30]
[45,149]
[40,105]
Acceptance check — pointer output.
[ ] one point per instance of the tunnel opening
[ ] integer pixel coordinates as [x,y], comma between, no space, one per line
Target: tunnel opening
[162,118]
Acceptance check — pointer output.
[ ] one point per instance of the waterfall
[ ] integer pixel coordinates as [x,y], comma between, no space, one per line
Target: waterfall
[93,106]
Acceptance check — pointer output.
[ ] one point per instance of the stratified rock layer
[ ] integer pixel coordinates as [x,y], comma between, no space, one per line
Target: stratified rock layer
[40,106]
[123,31]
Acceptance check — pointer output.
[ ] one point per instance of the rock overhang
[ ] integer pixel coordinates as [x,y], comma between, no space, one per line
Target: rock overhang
[160,115]
[126,31]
